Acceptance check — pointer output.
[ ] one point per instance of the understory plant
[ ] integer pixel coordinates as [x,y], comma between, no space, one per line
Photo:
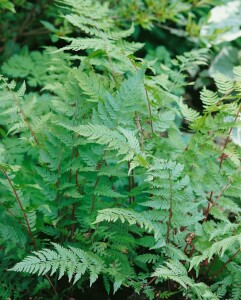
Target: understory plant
[108,178]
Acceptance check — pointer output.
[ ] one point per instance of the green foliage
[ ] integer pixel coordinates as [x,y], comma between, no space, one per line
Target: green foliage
[100,178]
[5,4]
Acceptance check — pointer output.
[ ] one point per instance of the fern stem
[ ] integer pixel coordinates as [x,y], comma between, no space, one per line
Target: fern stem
[72,218]
[76,177]
[111,180]
[94,196]
[22,113]
[76,183]
[210,266]
[138,123]
[150,112]
[227,140]
[196,156]
[200,149]
[210,205]
[21,207]
[57,186]
[170,212]
[70,171]
[51,284]
[112,67]
[131,183]
[95,186]
[224,265]
[223,190]
[149,282]
[26,220]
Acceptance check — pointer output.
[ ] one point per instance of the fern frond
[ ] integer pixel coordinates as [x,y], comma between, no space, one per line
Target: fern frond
[209,98]
[125,143]
[73,262]
[189,113]
[217,248]
[177,272]
[148,258]
[237,73]
[132,217]
[224,83]
[120,109]
[192,59]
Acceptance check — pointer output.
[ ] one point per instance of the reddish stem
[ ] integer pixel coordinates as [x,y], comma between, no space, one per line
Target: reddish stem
[25,219]
[21,207]
[224,265]
[149,282]
[210,205]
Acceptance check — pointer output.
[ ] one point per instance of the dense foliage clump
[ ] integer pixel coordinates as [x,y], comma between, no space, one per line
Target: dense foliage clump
[120,151]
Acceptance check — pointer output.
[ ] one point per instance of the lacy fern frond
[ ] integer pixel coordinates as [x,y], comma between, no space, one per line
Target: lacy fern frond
[189,113]
[224,83]
[218,248]
[177,272]
[73,262]
[209,98]
[132,217]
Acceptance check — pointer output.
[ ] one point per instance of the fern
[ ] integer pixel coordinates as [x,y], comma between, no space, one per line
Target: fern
[209,98]
[189,113]
[112,215]
[177,272]
[74,262]
[224,84]
[217,248]
[101,162]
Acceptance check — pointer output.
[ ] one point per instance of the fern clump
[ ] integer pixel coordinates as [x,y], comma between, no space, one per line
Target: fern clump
[108,175]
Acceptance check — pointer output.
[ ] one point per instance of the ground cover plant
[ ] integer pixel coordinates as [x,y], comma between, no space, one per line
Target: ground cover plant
[120,159]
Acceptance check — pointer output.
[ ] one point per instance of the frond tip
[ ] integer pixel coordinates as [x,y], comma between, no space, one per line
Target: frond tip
[189,113]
